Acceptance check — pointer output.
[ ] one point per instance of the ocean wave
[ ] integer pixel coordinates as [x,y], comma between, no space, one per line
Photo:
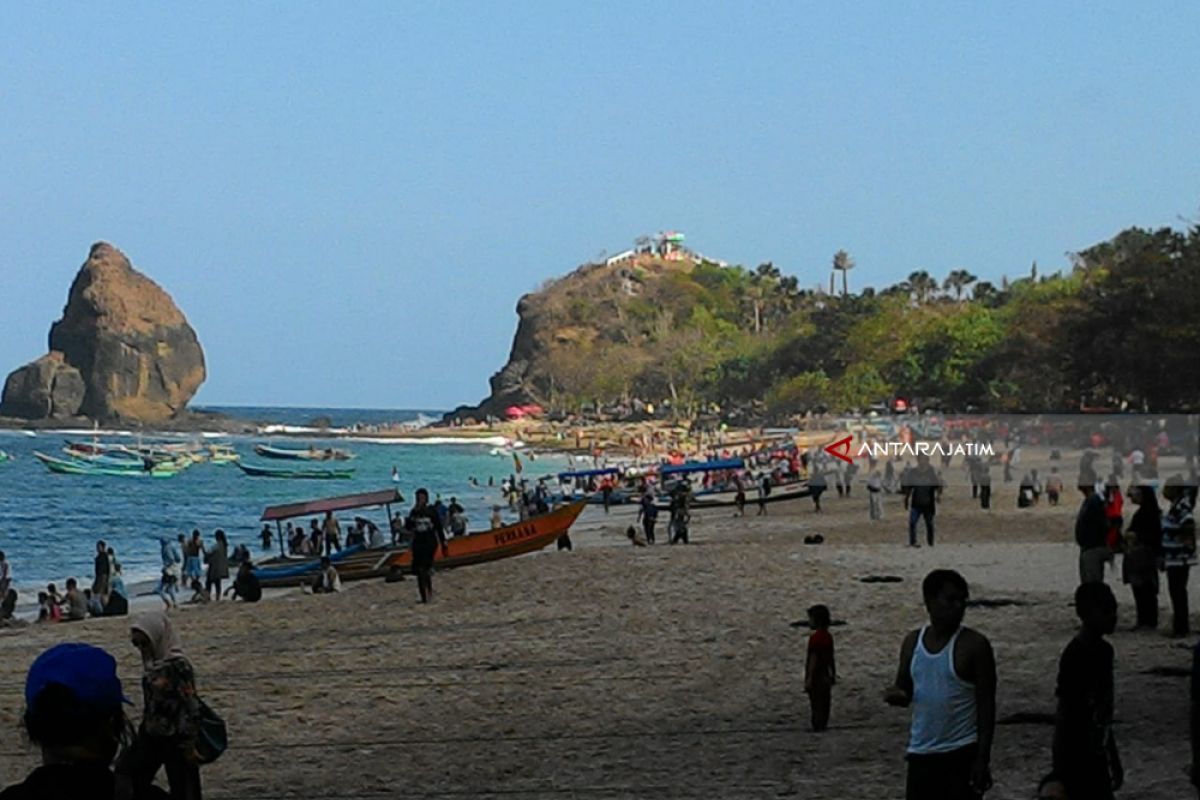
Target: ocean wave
[488,441]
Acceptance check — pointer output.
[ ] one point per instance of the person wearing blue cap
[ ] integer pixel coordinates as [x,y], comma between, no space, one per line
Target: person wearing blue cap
[74,713]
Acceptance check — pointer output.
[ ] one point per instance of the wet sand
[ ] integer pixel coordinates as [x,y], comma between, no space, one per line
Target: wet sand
[615,671]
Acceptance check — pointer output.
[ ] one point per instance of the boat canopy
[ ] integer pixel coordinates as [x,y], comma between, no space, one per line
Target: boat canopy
[588,473]
[342,503]
[702,466]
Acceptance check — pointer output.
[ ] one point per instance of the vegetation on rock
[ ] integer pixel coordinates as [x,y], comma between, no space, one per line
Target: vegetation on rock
[1119,329]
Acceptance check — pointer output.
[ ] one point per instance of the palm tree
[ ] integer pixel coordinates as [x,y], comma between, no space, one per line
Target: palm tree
[842,262]
[923,285]
[958,280]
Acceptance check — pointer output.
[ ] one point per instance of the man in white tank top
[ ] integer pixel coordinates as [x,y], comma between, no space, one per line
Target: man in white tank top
[947,674]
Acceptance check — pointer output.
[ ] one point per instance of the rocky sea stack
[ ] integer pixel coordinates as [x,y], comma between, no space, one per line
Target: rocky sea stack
[123,351]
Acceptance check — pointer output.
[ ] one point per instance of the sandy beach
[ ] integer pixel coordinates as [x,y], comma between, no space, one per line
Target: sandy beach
[614,671]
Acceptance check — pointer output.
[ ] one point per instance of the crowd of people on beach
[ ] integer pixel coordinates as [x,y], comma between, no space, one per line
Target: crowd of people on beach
[946,674]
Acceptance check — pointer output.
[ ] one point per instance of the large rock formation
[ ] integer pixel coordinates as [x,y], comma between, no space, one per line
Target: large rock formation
[122,351]
[46,388]
[576,326]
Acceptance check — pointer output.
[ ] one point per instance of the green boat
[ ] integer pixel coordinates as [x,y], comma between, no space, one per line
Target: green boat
[64,466]
[303,474]
[4,457]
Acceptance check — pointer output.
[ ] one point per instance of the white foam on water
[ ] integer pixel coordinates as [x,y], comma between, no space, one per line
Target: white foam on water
[485,441]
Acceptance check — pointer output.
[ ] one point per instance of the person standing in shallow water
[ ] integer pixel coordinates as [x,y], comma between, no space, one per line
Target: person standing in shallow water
[427,533]
[101,571]
[947,673]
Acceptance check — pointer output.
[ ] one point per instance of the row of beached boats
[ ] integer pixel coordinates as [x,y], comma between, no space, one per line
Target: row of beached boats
[526,536]
[358,562]
[624,484]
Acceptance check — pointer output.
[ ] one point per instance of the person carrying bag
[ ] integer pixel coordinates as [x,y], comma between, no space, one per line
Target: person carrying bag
[179,732]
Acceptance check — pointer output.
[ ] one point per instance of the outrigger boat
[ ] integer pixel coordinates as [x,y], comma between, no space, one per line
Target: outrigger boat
[64,466]
[223,454]
[787,491]
[517,539]
[311,454]
[355,563]
[303,474]
[352,563]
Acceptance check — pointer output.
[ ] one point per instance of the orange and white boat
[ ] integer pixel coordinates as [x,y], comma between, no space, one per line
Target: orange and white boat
[511,540]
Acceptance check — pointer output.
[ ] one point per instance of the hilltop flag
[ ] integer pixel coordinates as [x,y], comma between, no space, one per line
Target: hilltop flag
[841,449]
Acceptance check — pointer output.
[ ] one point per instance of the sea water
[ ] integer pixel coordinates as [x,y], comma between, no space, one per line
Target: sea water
[49,523]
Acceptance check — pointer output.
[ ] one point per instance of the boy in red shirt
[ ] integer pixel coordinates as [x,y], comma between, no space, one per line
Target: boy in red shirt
[820,673]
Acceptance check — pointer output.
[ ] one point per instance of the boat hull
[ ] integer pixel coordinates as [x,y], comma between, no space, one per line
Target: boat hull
[779,494]
[282,453]
[65,467]
[295,474]
[511,540]
[352,564]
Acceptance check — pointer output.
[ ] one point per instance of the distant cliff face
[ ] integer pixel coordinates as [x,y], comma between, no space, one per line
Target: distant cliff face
[595,320]
[122,351]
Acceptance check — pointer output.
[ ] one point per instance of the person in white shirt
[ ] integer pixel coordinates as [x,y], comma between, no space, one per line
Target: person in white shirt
[947,673]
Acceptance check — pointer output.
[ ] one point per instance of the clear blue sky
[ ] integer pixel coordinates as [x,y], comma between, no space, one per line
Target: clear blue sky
[347,200]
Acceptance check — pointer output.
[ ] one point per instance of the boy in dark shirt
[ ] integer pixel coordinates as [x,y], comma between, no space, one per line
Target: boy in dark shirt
[820,672]
[1085,752]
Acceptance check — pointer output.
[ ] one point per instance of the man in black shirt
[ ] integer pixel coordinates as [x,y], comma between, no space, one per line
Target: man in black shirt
[1085,752]
[921,489]
[1091,532]
[427,533]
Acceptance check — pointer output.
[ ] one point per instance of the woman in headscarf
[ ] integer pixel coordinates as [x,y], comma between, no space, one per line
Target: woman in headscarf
[171,711]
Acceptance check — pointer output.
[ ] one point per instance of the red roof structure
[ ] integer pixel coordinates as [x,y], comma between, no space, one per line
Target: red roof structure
[343,503]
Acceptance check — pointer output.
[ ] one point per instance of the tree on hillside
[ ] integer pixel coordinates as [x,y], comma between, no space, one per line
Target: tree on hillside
[843,263]
[923,285]
[958,280]
[986,292]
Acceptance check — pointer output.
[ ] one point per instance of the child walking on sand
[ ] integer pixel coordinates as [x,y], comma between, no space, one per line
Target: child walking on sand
[820,672]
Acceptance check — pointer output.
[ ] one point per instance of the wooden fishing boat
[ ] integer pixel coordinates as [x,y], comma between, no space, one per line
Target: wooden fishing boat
[112,459]
[64,466]
[309,454]
[302,474]
[511,540]
[779,494]
[353,563]
[223,454]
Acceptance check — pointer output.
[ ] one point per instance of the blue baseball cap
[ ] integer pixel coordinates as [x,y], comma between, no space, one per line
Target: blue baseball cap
[87,672]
